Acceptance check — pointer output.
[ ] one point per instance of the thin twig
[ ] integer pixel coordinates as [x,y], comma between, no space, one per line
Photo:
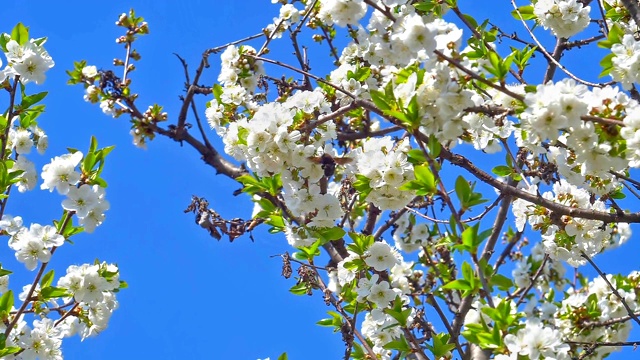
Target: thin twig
[613,289]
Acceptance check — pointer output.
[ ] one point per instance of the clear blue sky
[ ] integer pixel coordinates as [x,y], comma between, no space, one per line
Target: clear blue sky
[189,296]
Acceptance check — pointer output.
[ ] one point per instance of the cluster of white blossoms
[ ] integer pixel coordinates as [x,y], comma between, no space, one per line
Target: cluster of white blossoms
[562,124]
[536,341]
[22,141]
[441,102]
[342,12]
[410,237]
[384,163]
[30,61]
[551,109]
[411,38]
[568,238]
[626,62]
[88,202]
[582,310]
[239,74]
[381,329]
[41,341]
[552,272]
[268,145]
[533,338]
[92,287]
[585,152]
[485,132]
[565,18]
[288,16]
[85,311]
[31,245]
[378,326]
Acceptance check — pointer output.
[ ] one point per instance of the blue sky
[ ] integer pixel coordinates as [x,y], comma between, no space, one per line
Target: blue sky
[189,295]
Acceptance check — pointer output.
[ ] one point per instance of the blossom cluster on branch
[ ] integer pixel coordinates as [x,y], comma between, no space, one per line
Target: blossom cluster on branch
[83,300]
[381,161]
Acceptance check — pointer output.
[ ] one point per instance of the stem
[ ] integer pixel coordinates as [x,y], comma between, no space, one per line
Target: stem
[32,289]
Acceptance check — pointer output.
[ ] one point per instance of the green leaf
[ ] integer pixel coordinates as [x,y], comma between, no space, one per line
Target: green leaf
[467,272]
[424,175]
[458,285]
[334,321]
[416,157]
[89,162]
[4,39]
[362,185]
[273,184]
[398,313]
[526,13]
[10,350]
[502,282]
[93,145]
[283,356]
[434,146]
[299,289]
[614,37]
[441,346]
[6,303]
[20,34]
[266,205]
[361,242]
[52,292]
[463,189]
[47,279]
[617,194]
[217,92]
[330,234]
[276,221]
[379,98]
[252,184]
[29,100]
[470,238]
[400,116]
[400,345]
[607,65]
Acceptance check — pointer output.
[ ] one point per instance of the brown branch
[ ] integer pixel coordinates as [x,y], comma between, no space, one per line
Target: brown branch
[372,218]
[606,323]
[392,220]
[342,136]
[498,223]
[209,155]
[538,200]
[557,54]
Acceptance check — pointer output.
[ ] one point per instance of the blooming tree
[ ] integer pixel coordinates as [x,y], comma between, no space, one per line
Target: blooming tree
[380,164]
[49,308]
